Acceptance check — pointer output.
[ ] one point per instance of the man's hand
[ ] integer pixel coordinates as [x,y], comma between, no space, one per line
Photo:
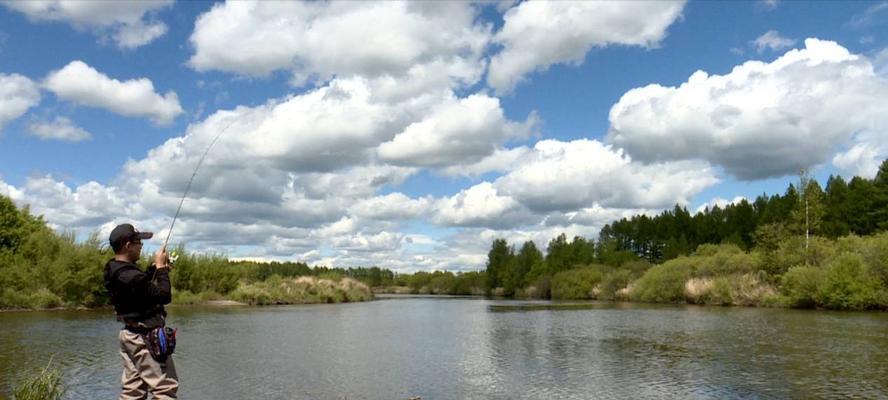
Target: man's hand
[161,259]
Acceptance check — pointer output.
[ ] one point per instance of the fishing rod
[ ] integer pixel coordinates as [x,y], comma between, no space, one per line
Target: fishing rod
[190,181]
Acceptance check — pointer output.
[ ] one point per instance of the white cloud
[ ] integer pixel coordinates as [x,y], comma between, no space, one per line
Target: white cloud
[129,23]
[772,40]
[595,216]
[768,5]
[538,34]
[761,119]
[718,202]
[61,128]
[459,131]
[139,34]
[17,195]
[870,16]
[481,205]
[862,159]
[85,206]
[567,176]
[390,207]
[82,84]
[502,160]
[419,41]
[17,95]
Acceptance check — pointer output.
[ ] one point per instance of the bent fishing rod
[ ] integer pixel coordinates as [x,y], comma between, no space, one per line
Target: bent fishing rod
[191,180]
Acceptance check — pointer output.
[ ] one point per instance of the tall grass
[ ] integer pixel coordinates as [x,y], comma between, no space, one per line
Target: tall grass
[46,385]
[302,290]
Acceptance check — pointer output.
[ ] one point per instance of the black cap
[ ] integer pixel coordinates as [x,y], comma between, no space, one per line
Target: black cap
[124,233]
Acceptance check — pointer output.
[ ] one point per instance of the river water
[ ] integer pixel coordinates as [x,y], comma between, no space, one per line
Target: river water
[469,348]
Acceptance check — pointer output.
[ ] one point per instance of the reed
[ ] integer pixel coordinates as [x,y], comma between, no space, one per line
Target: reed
[46,385]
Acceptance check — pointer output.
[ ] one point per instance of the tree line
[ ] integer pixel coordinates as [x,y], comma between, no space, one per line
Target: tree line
[857,207]
[776,250]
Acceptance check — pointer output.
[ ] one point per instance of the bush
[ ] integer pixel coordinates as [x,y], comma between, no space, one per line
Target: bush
[613,282]
[848,286]
[873,250]
[791,252]
[575,283]
[725,259]
[800,286]
[663,283]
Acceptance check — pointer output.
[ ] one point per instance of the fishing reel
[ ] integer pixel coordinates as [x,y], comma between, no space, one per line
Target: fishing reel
[172,257]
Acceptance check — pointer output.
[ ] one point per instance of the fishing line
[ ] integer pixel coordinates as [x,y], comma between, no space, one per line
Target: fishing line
[193,174]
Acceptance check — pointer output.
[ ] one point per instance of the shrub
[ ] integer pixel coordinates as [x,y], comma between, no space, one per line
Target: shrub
[613,282]
[873,250]
[725,259]
[791,252]
[800,286]
[663,283]
[575,283]
[847,285]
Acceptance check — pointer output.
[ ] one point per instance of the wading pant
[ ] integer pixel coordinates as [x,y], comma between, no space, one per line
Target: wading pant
[142,374]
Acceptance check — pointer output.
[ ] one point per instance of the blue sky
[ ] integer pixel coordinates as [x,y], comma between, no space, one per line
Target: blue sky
[409,135]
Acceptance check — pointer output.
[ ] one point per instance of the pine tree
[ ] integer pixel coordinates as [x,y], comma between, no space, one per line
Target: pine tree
[879,213]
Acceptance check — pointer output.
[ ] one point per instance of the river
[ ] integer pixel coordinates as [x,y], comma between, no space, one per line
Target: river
[470,348]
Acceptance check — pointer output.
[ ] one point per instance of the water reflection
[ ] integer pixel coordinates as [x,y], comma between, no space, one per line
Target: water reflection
[474,349]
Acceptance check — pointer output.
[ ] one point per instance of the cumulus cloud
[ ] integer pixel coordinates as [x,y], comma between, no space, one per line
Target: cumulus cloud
[17,95]
[60,128]
[538,34]
[88,205]
[411,44]
[771,40]
[459,131]
[83,84]
[129,24]
[566,176]
[481,205]
[393,206]
[761,119]
[502,160]
[862,159]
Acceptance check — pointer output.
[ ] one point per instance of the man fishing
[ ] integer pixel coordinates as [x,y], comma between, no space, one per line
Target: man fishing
[138,297]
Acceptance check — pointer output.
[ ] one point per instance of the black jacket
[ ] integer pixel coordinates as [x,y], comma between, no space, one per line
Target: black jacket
[137,295]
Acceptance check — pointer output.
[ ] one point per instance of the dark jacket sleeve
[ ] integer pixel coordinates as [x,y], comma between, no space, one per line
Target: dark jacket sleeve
[154,284]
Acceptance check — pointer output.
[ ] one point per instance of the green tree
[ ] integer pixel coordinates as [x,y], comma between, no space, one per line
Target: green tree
[16,225]
[836,212]
[498,259]
[879,213]
[527,257]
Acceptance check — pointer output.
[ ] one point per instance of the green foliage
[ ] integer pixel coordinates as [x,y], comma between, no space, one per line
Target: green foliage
[664,283]
[725,259]
[16,225]
[801,286]
[498,259]
[613,282]
[576,283]
[45,385]
[846,285]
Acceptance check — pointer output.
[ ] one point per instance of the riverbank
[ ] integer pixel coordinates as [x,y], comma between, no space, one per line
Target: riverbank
[274,291]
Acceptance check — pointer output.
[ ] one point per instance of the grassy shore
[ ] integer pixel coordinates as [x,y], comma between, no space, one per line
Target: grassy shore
[277,290]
